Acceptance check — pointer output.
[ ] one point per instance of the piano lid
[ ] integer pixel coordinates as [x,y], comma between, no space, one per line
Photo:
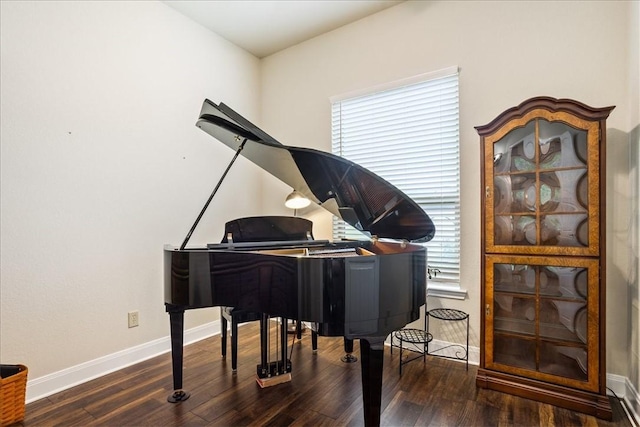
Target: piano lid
[347,190]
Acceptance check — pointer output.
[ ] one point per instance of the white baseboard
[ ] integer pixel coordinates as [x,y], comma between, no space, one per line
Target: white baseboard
[449,349]
[47,385]
[616,385]
[632,402]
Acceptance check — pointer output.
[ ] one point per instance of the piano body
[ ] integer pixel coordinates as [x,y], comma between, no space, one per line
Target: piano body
[356,289]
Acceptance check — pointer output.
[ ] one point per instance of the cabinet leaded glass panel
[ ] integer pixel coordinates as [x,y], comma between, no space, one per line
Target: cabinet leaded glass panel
[540,316]
[540,194]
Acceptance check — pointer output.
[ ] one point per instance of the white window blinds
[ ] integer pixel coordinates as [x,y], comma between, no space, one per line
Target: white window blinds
[409,135]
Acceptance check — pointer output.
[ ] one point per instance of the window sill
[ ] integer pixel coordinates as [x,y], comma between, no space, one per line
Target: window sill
[440,291]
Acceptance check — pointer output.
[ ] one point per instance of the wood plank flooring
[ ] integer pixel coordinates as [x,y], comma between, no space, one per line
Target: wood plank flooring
[323,392]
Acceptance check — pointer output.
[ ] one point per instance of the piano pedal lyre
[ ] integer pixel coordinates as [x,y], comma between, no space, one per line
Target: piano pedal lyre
[273,374]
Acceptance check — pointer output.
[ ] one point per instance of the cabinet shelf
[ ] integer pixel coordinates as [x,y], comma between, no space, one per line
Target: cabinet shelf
[514,327]
[531,213]
[541,170]
[548,332]
[522,291]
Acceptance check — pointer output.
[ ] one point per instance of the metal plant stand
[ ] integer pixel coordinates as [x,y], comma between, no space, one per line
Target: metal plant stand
[450,315]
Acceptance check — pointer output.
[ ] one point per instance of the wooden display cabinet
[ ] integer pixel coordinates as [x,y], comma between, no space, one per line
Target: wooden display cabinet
[543,254]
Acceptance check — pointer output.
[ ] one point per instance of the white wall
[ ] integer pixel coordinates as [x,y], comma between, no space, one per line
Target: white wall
[507,52]
[102,164]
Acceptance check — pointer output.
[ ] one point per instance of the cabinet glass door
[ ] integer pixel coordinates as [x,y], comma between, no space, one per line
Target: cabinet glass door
[538,318]
[538,195]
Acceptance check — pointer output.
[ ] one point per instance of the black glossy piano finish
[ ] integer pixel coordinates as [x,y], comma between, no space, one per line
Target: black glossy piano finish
[346,189]
[357,289]
[350,296]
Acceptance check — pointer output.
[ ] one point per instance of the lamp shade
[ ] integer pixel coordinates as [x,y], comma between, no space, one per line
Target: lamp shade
[296,200]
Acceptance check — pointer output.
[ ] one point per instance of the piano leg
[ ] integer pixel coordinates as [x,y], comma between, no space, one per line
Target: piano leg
[348,350]
[176,318]
[299,329]
[264,344]
[223,335]
[283,346]
[234,346]
[371,360]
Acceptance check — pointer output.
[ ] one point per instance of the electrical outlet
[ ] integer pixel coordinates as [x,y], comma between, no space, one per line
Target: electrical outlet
[133,319]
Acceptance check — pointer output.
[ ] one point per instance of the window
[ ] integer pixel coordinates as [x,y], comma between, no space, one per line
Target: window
[407,132]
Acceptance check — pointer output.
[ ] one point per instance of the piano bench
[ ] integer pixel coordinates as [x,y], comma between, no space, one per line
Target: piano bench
[235,317]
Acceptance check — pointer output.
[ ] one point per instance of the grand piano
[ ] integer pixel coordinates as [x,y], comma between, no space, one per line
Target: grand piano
[362,289]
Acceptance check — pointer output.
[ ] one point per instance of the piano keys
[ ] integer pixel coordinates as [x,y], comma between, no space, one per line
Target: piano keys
[355,289]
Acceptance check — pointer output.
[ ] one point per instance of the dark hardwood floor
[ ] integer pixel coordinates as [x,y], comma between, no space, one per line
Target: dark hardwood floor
[323,391]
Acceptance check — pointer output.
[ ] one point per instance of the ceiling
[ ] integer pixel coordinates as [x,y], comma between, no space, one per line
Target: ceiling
[266,27]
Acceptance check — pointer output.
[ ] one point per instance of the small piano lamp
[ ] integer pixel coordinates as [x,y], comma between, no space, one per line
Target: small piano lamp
[295,201]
